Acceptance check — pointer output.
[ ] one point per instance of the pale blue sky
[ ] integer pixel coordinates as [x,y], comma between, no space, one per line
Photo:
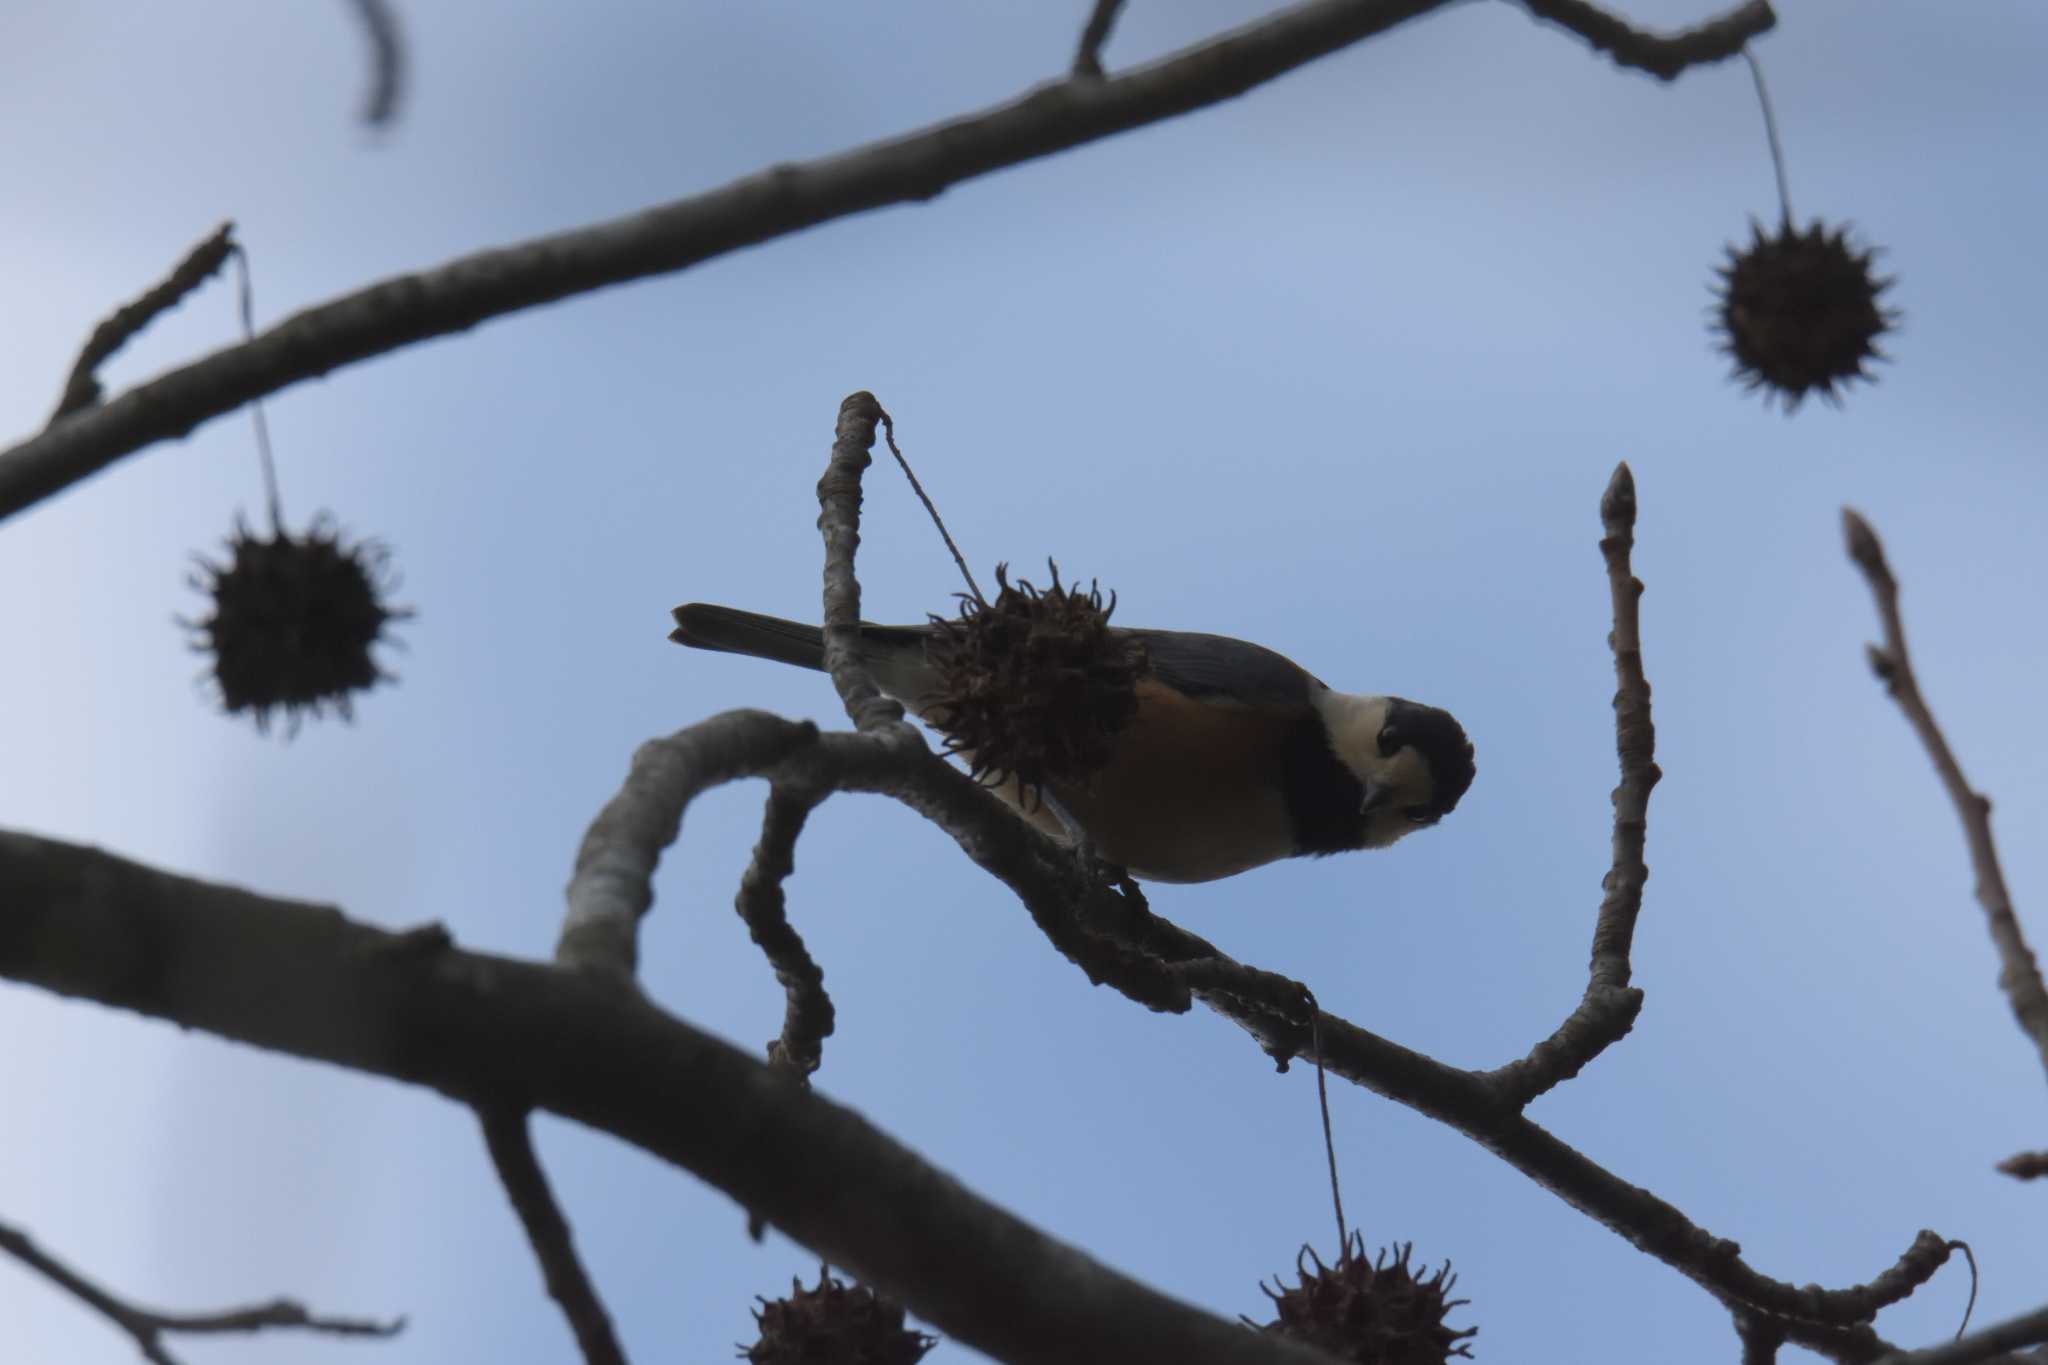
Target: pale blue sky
[1341,366]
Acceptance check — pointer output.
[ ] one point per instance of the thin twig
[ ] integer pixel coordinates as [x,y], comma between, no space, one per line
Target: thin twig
[507,1136]
[839,522]
[2025,1165]
[889,434]
[1088,56]
[148,1327]
[1663,56]
[1315,1037]
[807,1014]
[387,60]
[2019,974]
[1763,99]
[248,308]
[2029,1329]
[201,264]
[1609,1006]
[669,237]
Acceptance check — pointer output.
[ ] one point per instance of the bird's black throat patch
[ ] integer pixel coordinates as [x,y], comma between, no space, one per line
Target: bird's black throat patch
[1323,796]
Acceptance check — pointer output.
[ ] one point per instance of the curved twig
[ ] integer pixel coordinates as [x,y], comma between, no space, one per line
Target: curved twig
[201,264]
[2019,974]
[1663,56]
[511,1146]
[1609,1006]
[807,1014]
[148,1327]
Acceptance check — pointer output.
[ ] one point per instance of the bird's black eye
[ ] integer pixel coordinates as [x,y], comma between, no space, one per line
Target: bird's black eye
[1417,815]
[1391,740]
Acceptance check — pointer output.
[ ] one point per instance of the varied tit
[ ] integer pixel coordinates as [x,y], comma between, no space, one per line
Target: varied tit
[1235,757]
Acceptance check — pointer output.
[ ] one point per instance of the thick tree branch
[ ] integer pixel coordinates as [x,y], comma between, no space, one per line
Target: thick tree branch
[756,208]
[511,1146]
[201,264]
[1610,1005]
[1665,57]
[149,1327]
[2020,974]
[302,979]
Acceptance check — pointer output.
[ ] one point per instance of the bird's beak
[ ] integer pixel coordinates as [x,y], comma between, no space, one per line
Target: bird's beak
[1377,794]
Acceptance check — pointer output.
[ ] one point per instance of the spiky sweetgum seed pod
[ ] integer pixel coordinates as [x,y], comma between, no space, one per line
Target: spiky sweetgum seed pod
[1371,1312]
[1799,312]
[294,620]
[1034,684]
[833,1324]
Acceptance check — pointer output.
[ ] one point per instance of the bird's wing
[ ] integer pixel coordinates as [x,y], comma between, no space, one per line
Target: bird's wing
[1217,668]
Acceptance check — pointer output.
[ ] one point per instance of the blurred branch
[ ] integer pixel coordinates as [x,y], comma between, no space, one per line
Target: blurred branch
[387,60]
[148,1327]
[807,1010]
[1760,1338]
[2020,975]
[1663,56]
[669,237]
[1101,20]
[1609,1006]
[201,264]
[1990,1345]
[490,1031]
[2025,1165]
[507,1136]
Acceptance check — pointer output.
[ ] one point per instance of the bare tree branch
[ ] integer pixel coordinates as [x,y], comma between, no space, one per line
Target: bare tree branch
[1609,1006]
[807,1011]
[756,208]
[839,523]
[2020,974]
[201,264]
[1101,19]
[1665,57]
[2025,1165]
[149,1327]
[1760,1336]
[387,60]
[613,885]
[300,978]
[1989,1345]
[511,1146]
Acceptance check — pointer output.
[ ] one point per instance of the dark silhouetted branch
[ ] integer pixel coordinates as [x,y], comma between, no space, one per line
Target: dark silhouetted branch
[807,1010]
[2020,974]
[1609,1006]
[1985,1347]
[526,1184]
[2025,1165]
[1663,56]
[756,208]
[1101,20]
[491,1031]
[149,1327]
[613,885]
[201,264]
[387,60]
[1760,1336]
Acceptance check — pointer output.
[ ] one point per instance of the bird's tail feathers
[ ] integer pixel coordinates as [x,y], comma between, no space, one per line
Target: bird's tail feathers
[701,625]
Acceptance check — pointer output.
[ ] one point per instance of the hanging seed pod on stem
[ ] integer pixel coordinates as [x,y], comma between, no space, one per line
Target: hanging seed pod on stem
[294,621]
[1373,1312]
[1800,312]
[1034,685]
[833,1324]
